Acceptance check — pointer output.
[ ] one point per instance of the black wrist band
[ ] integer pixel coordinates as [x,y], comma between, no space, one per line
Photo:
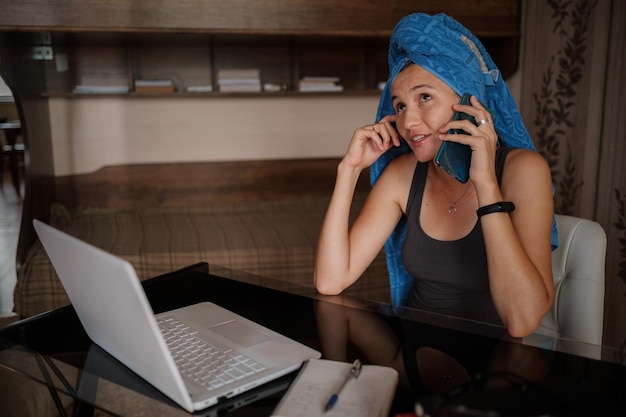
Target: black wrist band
[500,207]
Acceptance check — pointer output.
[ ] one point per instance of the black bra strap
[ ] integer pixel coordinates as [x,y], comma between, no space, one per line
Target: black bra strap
[501,154]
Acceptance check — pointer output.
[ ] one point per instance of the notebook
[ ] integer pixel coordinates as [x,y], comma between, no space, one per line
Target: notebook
[114,310]
[367,393]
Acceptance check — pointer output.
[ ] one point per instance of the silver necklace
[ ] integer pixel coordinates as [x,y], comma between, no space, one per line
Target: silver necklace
[452,208]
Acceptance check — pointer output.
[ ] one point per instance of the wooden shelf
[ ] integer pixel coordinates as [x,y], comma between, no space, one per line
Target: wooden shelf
[499,18]
[218,95]
[359,62]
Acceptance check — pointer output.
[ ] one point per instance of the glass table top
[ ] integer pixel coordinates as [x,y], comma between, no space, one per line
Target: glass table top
[47,362]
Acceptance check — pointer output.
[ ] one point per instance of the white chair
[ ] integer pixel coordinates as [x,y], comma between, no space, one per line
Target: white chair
[578,272]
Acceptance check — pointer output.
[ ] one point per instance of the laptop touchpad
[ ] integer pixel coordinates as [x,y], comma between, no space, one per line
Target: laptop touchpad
[240,333]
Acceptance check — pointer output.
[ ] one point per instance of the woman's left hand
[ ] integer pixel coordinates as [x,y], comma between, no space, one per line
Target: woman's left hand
[482,139]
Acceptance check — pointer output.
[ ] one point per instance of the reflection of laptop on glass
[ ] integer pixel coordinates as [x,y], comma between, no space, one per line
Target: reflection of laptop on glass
[99,364]
[113,309]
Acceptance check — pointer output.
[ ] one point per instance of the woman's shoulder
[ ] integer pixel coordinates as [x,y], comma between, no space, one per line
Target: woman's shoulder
[520,158]
[525,164]
[397,176]
[402,163]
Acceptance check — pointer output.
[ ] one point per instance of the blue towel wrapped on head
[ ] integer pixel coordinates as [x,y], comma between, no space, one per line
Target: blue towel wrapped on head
[448,50]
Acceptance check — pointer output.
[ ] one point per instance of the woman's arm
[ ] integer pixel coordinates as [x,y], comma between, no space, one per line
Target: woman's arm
[344,252]
[518,243]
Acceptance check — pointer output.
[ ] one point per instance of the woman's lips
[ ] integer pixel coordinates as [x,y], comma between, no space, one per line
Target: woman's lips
[418,138]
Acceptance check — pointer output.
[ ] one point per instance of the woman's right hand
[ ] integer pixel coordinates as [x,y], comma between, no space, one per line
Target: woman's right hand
[344,251]
[369,142]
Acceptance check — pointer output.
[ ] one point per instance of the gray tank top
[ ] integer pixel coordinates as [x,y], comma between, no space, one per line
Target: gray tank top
[450,277]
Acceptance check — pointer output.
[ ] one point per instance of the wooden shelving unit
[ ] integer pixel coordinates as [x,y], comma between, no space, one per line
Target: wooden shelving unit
[359,62]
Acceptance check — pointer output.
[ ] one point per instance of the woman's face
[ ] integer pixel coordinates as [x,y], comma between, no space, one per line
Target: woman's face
[423,103]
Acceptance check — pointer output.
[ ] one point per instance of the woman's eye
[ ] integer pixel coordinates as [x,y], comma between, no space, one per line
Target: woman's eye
[400,107]
[425,97]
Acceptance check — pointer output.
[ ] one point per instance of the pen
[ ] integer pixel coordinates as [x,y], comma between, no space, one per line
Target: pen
[353,372]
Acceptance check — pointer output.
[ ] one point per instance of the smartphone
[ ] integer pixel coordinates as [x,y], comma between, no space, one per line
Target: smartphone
[455,158]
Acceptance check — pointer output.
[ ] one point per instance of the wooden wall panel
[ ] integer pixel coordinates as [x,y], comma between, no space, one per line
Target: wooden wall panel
[483,17]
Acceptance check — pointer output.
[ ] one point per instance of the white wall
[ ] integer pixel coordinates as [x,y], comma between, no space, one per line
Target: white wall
[90,132]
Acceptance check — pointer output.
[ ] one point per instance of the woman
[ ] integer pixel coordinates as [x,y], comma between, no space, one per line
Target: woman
[452,247]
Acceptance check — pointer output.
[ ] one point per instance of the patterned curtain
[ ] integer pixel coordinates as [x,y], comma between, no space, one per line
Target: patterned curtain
[573,101]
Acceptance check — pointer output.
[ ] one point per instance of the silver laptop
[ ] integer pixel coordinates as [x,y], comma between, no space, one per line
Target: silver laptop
[112,307]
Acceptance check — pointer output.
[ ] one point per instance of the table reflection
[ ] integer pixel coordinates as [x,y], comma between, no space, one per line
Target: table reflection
[445,368]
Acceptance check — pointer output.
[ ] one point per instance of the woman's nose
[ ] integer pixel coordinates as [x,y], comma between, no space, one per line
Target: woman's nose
[412,118]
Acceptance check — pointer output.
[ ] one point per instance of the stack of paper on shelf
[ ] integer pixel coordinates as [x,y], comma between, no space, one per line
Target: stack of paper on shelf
[154,86]
[316,84]
[101,83]
[101,89]
[199,88]
[239,80]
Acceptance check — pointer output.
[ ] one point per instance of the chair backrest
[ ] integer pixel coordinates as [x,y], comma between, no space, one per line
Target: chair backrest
[578,271]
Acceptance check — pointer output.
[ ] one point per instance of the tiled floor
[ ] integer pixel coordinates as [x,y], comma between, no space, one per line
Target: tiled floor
[10,214]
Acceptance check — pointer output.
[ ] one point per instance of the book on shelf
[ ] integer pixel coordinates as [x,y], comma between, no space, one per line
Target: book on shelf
[241,88]
[239,80]
[313,84]
[199,88]
[169,89]
[153,83]
[101,82]
[320,88]
[369,394]
[101,89]
[154,86]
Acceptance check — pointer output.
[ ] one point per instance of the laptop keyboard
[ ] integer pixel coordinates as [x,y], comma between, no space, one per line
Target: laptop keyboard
[202,362]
